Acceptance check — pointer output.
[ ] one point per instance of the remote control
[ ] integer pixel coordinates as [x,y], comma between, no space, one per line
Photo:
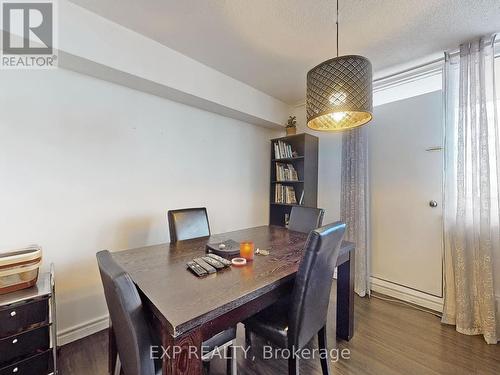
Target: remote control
[225,262]
[196,269]
[215,263]
[205,265]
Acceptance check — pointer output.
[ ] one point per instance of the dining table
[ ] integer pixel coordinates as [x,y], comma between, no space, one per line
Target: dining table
[186,310]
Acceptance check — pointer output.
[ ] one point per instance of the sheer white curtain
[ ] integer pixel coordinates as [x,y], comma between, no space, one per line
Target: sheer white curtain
[353,204]
[471,211]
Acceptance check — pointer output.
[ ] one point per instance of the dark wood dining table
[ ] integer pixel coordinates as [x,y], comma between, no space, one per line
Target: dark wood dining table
[187,310]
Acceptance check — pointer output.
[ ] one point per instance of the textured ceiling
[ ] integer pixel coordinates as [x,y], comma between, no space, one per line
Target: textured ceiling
[271,44]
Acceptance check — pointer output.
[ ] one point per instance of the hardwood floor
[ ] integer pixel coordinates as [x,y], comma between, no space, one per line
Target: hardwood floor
[389,339]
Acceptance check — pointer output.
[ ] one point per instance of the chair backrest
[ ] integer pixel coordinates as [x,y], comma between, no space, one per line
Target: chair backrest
[188,223]
[132,332]
[311,293]
[305,219]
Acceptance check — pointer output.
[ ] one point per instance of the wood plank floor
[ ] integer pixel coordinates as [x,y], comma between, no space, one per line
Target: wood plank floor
[389,339]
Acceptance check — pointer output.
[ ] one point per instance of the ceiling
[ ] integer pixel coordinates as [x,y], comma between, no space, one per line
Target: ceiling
[271,44]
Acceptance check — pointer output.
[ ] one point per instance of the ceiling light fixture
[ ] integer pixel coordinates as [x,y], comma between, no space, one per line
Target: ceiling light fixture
[339,92]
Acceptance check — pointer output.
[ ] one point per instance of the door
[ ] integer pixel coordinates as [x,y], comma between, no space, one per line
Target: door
[406,161]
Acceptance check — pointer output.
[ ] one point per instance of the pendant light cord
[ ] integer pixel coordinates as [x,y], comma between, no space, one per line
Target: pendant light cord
[337,28]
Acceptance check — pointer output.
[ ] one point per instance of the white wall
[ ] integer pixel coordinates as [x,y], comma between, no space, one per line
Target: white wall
[87,165]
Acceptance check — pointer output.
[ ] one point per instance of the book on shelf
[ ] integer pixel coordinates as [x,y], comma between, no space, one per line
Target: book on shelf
[301,200]
[284,194]
[283,150]
[286,172]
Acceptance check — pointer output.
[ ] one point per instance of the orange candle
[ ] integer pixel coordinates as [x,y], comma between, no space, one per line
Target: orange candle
[246,250]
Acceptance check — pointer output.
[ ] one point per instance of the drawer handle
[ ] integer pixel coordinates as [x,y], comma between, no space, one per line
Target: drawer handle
[15,369]
[14,341]
[13,313]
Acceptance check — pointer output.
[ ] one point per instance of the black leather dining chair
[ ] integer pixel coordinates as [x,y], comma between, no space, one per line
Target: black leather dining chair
[188,223]
[133,335]
[305,219]
[293,321]
[132,332]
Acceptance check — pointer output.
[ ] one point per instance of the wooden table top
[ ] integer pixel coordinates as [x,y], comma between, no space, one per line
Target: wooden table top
[185,301]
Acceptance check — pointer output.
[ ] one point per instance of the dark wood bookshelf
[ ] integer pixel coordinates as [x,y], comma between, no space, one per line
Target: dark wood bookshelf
[306,165]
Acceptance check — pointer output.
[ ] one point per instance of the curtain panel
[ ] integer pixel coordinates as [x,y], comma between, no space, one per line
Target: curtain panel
[471,189]
[354,202]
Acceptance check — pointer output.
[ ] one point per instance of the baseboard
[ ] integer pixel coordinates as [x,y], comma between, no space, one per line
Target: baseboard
[406,294]
[82,330]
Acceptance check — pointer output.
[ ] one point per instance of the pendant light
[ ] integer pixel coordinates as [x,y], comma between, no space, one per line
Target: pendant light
[339,92]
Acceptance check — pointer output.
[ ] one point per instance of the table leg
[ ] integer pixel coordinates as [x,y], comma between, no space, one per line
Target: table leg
[345,298]
[183,354]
